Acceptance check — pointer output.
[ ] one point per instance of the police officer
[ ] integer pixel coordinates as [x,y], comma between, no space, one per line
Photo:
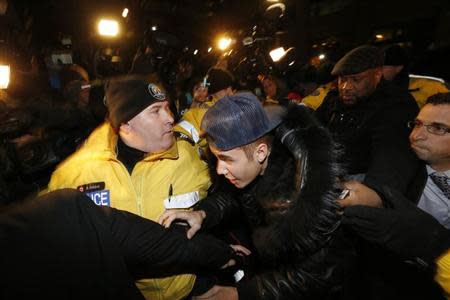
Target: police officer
[135,162]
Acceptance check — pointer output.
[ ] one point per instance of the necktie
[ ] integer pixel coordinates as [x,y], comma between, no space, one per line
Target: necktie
[441,182]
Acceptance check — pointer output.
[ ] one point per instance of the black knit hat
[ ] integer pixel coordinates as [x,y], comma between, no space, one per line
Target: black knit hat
[395,55]
[359,60]
[127,97]
[218,79]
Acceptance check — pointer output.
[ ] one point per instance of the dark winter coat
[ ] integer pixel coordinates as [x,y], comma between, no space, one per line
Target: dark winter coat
[293,215]
[373,134]
[63,246]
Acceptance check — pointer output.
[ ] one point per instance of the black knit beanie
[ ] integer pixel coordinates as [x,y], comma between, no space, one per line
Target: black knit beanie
[125,98]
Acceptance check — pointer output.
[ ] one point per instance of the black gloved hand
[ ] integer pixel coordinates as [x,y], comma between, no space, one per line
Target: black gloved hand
[405,229]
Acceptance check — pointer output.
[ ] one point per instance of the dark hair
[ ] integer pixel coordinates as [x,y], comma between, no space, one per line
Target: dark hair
[250,148]
[439,98]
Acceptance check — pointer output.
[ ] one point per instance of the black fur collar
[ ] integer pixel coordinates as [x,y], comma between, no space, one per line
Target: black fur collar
[298,191]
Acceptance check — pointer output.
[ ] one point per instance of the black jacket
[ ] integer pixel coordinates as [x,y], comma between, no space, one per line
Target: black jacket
[373,134]
[293,215]
[63,246]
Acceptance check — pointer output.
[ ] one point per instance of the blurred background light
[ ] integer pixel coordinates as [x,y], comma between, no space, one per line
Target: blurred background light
[108,28]
[4,76]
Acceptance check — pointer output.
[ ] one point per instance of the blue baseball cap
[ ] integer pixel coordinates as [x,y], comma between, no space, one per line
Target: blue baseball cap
[238,120]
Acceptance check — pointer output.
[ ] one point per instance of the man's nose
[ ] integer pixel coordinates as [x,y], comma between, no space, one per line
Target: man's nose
[220,168]
[346,85]
[418,133]
[169,116]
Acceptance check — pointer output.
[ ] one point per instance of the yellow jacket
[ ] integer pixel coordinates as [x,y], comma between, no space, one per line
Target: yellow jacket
[443,273]
[422,87]
[191,122]
[315,99]
[95,165]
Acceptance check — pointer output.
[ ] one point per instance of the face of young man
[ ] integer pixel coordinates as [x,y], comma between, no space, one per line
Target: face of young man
[432,148]
[150,131]
[236,166]
[358,86]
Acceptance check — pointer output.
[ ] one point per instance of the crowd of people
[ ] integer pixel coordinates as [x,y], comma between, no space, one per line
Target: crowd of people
[338,190]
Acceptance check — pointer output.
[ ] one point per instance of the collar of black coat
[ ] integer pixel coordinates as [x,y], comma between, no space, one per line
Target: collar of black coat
[298,192]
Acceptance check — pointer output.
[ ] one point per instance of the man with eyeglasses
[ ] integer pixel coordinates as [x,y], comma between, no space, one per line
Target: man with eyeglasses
[430,140]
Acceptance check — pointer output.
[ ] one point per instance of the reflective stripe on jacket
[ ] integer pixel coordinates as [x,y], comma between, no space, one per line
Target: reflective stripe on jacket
[192,120]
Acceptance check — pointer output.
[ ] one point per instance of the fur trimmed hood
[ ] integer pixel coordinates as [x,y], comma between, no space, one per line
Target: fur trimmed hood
[297,192]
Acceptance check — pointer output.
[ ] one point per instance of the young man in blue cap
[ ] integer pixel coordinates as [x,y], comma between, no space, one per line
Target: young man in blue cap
[284,167]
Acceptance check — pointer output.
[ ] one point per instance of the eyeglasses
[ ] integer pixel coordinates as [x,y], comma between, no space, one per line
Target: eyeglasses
[433,128]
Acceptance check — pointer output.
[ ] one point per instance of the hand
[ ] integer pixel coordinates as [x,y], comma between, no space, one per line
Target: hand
[360,194]
[218,292]
[194,218]
[239,250]
[406,230]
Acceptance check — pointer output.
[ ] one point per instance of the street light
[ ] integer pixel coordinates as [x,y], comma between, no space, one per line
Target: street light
[4,76]
[108,28]
[125,12]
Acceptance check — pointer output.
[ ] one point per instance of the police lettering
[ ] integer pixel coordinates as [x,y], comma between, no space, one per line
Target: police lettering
[100,197]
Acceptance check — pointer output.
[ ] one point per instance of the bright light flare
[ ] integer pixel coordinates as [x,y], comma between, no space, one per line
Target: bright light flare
[108,28]
[224,43]
[277,54]
[195,51]
[322,56]
[154,28]
[125,12]
[209,49]
[379,36]
[4,76]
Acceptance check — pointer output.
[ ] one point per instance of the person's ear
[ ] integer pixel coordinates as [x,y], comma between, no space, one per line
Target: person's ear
[378,73]
[261,152]
[126,128]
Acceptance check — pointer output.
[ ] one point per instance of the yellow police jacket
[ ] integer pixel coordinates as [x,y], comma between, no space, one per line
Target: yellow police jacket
[315,99]
[191,122]
[95,170]
[422,87]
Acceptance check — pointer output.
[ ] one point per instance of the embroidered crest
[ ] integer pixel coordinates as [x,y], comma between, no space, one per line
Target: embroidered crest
[156,92]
